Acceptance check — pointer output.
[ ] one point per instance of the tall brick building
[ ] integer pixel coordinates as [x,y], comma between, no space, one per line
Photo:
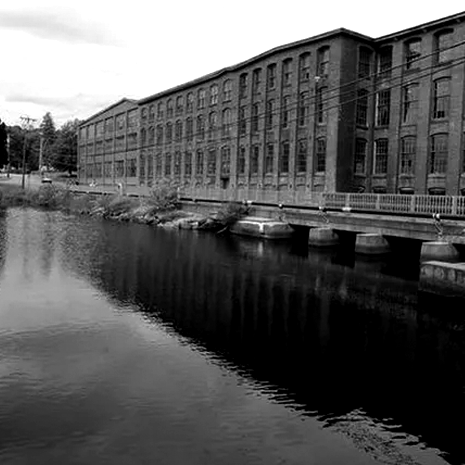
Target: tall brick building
[335,112]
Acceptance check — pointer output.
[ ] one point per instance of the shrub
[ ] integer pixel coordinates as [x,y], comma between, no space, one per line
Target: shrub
[164,196]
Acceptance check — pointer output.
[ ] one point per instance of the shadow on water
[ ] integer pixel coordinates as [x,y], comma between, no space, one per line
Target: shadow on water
[331,331]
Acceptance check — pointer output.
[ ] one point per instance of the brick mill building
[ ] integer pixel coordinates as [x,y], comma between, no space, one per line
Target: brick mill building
[338,112]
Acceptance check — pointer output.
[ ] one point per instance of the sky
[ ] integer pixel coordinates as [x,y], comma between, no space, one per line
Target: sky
[74,58]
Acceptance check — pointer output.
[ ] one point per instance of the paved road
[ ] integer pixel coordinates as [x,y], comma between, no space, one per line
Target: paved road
[32,181]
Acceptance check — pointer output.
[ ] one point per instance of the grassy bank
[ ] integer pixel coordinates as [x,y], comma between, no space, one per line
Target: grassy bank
[161,208]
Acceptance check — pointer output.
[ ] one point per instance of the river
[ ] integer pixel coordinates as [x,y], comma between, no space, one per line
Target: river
[128,344]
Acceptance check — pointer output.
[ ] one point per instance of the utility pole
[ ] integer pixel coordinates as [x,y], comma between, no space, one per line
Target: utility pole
[27,122]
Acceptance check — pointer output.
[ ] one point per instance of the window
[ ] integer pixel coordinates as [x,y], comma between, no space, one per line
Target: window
[120,122]
[150,167]
[301,161]
[269,158]
[254,156]
[269,114]
[179,105]
[285,111]
[226,122]
[410,104]
[119,168]
[199,163]
[323,62]
[169,108]
[200,127]
[167,164]
[287,72]
[108,146]
[412,53]
[362,108]
[242,122]
[178,131]
[255,116]
[99,146]
[188,164]
[143,137]
[385,61]
[225,161]
[320,105]
[256,78]
[169,133]
[213,94]
[160,110]
[364,61]
[381,156]
[151,136]
[383,107]
[360,156]
[211,162]
[151,113]
[212,123]
[159,134]
[177,163]
[201,99]
[243,85]
[442,44]
[407,155]
[241,161]
[227,90]
[271,76]
[284,158]
[108,169]
[321,155]
[142,158]
[131,168]
[190,102]
[132,118]
[120,145]
[108,126]
[438,154]
[158,165]
[441,92]
[99,129]
[304,67]
[189,129]
[303,108]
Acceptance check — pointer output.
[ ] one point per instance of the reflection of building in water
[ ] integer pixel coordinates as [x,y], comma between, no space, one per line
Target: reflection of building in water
[333,338]
[3,240]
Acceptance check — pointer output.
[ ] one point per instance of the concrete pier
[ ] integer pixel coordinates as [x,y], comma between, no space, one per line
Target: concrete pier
[443,278]
[438,250]
[371,244]
[322,237]
[262,227]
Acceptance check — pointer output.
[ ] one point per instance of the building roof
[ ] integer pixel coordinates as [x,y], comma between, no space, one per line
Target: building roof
[113,105]
[441,22]
[238,66]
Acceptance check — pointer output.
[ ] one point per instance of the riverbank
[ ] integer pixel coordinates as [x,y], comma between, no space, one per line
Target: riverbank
[161,208]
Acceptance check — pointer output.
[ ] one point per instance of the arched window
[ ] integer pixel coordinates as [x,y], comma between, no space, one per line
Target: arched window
[442,46]
[323,61]
[227,90]
[213,94]
[304,67]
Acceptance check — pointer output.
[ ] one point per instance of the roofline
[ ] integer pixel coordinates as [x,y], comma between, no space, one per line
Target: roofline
[425,26]
[238,66]
[119,102]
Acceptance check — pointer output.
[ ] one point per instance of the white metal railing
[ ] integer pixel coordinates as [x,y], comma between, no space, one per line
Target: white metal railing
[397,203]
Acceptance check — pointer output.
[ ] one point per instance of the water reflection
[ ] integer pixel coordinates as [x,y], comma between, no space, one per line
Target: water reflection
[337,341]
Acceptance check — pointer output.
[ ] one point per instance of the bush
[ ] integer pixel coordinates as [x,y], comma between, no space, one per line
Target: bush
[231,212]
[164,196]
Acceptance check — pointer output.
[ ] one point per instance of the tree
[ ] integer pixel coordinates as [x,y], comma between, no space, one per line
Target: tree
[65,147]
[17,139]
[48,134]
[3,144]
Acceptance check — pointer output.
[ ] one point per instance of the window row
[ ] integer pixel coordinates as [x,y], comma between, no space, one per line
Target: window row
[440,104]
[443,47]
[437,155]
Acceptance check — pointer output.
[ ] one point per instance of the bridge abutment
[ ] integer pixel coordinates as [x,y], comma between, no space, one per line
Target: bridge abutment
[438,250]
[371,244]
[322,237]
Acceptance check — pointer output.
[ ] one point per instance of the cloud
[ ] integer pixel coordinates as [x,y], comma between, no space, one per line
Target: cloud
[56,25]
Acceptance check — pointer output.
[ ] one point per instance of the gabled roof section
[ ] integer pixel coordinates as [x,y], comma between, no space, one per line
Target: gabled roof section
[110,107]
[238,66]
[442,22]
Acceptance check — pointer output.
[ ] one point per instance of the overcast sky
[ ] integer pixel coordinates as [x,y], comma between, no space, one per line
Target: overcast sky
[73,58]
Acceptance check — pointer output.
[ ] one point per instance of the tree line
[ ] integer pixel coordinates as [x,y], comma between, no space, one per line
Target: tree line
[59,146]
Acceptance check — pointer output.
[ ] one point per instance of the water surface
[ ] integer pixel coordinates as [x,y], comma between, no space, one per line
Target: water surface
[128,344]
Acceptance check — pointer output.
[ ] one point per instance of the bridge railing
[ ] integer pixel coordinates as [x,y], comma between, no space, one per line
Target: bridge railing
[397,203]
